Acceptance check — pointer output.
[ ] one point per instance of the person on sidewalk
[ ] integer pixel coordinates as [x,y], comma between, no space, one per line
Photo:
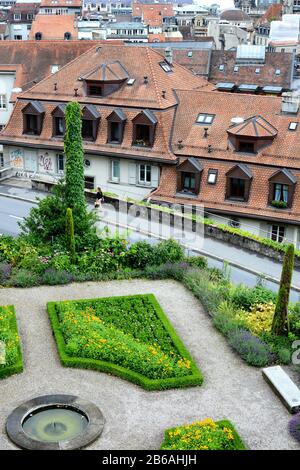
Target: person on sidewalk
[99,199]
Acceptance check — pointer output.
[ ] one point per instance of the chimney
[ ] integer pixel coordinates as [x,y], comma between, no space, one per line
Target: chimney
[169,55]
[55,86]
[145,79]
[290,102]
[205,132]
[75,91]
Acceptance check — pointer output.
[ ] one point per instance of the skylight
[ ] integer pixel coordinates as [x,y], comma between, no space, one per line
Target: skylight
[212,176]
[257,70]
[190,54]
[205,118]
[236,68]
[293,126]
[130,81]
[221,67]
[277,72]
[166,67]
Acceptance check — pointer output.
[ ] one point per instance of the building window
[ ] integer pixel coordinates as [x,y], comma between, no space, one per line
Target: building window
[257,71]
[3,103]
[142,135]
[277,72]
[166,67]
[1,160]
[212,176]
[281,193]
[247,147]
[17,16]
[89,182]
[87,129]
[237,188]
[31,124]
[114,132]
[188,182]
[277,233]
[236,68]
[115,170]
[221,68]
[60,125]
[95,90]
[293,126]
[54,68]
[205,118]
[145,174]
[17,37]
[60,163]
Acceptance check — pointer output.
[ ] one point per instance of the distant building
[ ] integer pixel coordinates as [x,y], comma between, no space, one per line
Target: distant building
[129,32]
[49,27]
[60,7]
[20,18]
[236,17]
[226,36]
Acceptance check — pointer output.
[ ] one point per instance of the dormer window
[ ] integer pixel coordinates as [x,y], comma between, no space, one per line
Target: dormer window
[90,122]
[33,116]
[189,174]
[281,189]
[238,182]
[59,124]
[252,134]
[94,89]
[144,125]
[115,126]
[105,79]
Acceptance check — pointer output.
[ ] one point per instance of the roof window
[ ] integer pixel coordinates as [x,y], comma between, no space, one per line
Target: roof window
[221,68]
[293,126]
[166,67]
[205,118]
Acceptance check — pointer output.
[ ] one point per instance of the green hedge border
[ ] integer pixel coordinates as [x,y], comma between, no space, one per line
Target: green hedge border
[195,378]
[17,367]
[238,443]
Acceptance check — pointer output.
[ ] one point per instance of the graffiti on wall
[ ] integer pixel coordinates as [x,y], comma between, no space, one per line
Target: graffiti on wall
[16,159]
[46,162]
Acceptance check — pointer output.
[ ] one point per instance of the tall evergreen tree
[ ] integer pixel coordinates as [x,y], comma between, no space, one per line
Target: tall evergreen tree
[281,309]
[74,153]
[70,234]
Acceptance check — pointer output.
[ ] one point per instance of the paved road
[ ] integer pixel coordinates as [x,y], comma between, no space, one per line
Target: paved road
[12,211]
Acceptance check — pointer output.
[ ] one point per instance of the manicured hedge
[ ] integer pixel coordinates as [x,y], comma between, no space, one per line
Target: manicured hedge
[175,442]
[17,365]
[192,379]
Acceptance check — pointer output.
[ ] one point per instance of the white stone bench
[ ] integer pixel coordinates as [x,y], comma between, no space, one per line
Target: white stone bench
[284,387]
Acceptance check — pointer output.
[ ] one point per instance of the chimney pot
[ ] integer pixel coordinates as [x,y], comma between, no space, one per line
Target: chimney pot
[75,91]
[205,132]
[146,79]
[55,86]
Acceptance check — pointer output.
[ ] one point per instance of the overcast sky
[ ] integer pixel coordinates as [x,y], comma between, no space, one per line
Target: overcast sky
[223,3]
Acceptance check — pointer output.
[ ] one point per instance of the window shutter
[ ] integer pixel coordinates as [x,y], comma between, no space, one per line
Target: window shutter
[132,173]
[154,176]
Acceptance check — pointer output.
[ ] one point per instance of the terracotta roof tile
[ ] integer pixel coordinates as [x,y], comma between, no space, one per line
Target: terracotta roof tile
[54,26]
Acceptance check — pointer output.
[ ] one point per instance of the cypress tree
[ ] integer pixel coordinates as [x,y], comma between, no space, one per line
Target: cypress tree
[70,234]
[74,153]
[281,309]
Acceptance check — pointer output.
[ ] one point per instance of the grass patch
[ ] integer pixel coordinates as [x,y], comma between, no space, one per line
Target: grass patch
[127,336]
[10,354]
[203,435]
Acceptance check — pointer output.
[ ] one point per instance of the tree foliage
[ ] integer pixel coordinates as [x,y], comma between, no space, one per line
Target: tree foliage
[70,234]
[281,309]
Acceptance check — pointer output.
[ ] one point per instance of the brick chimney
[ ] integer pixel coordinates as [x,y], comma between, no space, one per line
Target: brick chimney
[169,55]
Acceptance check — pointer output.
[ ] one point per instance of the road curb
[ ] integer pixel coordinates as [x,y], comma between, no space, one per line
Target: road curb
[19,198]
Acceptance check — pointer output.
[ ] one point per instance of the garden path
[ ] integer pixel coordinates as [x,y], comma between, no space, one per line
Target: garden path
[135,418]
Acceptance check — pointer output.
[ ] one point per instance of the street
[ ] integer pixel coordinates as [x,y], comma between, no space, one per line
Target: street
[244,266]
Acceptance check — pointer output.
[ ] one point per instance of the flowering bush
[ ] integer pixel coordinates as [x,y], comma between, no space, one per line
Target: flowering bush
[246,297]
[131,332]
[260,318]
[294,426]
[10,357]
[203,435]
[252,349]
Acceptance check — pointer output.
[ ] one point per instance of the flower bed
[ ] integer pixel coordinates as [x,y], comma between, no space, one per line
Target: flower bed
[127,336]
[10,355]
[203,435]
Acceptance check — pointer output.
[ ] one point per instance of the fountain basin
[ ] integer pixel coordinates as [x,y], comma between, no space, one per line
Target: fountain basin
[55,422]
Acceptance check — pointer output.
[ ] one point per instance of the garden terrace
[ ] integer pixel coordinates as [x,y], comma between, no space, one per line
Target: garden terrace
[127,336]
[11,362]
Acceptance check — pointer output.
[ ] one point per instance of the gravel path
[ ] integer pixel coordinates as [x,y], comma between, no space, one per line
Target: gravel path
[136,419]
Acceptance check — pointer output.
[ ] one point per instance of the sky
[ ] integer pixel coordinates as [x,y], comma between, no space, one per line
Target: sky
[223,3]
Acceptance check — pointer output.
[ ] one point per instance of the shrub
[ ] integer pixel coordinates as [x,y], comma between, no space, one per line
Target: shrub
[127,336]
[167,271]
[140,255]
[260,317]
[24,278]
[294,427]
[168,251]
[5,272]
[281,310]
[252,349]
[197,262]
[246,297]
[54,276]
[203,435]
[9,336]
[225,320]
[284,355]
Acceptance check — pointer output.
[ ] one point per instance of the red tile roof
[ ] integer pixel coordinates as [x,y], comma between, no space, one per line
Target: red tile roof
[152,14]
[60,3]
[274,12]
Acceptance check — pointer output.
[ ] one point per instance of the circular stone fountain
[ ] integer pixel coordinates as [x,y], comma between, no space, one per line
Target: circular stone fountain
[54,422]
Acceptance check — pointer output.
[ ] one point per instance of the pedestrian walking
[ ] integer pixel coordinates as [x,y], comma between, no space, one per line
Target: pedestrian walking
[99,199]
